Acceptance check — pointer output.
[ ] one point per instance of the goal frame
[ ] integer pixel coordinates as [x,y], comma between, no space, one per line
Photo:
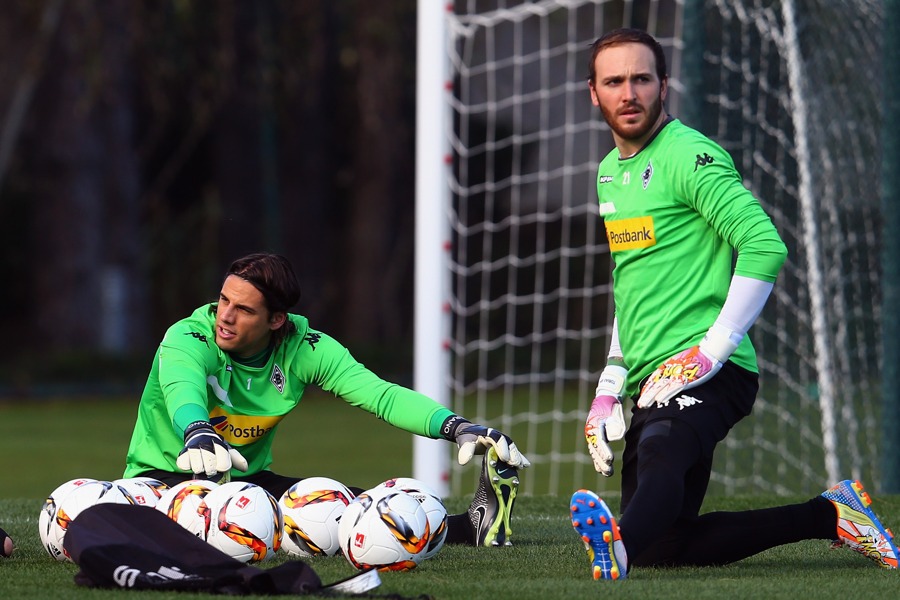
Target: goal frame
[434,164]
[431,463]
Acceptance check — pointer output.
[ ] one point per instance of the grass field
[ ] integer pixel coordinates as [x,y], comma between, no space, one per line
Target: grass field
[48,442]
[65,439]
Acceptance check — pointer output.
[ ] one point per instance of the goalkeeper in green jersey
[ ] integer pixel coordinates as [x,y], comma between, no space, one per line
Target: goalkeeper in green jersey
[676,214]
[224,378]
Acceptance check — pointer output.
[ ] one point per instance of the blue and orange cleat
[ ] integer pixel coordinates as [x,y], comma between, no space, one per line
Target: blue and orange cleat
[599,531]
[858,527]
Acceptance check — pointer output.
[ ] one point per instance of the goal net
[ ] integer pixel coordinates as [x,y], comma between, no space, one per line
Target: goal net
[524,270]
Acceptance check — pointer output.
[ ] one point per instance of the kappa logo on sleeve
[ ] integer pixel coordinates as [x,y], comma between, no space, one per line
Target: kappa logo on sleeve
[199,336]
[702,161]
[631,234]
[312,339]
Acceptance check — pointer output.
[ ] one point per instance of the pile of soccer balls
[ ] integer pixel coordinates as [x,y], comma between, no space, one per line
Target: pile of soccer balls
[393,526]
[241,519]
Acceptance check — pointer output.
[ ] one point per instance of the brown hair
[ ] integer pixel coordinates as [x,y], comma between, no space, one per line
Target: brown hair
[273,276]
[626,35]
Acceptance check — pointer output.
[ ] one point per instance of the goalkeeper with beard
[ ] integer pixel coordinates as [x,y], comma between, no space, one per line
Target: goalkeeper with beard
[224,377]
[675,212]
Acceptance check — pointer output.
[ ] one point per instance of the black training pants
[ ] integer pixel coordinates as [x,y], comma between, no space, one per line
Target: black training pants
[665,474]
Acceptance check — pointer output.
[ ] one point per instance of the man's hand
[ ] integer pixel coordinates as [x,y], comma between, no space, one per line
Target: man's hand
[606,419]
[206,454]
[475,439]
[683,371]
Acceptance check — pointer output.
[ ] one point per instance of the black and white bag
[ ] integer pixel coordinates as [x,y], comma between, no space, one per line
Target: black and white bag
[137,547]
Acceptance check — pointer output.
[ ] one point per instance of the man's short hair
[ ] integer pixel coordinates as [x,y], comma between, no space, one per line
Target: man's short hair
[626,35]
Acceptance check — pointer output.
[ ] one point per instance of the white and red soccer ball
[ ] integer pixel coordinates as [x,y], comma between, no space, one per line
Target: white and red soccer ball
[386,529]
[185,503]
[312,510]
[145,491]
[66,502]
[245,521]
[434,508]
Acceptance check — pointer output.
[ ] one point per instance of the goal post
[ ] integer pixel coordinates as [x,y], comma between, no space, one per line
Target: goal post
[890,170]
[430,457]
[520,259]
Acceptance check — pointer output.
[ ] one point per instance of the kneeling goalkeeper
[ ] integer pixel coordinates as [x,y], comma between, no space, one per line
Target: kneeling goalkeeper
[224,378]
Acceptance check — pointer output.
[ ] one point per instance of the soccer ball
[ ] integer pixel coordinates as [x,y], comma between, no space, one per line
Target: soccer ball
[47,526]
[384,528]
[67,504]
[312,509]
[146,491]
[434,508]
[246,521]
[160,486]
[184,503]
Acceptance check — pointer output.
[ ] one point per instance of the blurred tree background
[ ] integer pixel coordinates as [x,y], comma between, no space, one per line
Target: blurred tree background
[144,144]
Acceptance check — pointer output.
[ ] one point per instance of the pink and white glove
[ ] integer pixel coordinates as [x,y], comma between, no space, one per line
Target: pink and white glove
[606,419]
[689,368]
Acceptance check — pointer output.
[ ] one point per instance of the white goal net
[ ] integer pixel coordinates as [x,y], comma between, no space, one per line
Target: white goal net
[523,274]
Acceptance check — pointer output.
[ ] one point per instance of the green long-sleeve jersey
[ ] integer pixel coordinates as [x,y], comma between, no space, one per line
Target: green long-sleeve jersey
[192,376]
[675,213]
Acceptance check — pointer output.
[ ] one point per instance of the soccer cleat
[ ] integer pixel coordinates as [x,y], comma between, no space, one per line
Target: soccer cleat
[858,527]
[599,531]
[491,508]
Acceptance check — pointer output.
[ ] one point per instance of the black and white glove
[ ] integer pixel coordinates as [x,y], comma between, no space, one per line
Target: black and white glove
[206,454]
[475,439]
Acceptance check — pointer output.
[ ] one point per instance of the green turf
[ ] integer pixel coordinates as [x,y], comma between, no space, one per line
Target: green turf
[47,442]
[547,561]
[50,441]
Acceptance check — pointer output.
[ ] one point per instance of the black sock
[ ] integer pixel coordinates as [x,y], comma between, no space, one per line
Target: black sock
[459,530]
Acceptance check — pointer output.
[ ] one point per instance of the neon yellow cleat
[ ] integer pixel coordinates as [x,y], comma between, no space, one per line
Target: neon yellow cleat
[491,509]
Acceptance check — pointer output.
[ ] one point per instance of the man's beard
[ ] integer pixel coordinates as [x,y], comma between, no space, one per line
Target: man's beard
[652,113]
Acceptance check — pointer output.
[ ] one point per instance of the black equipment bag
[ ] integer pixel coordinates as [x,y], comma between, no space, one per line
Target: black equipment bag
[137,547]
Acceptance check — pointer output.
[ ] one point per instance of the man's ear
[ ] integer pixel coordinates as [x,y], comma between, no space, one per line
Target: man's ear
[277,320]
[594,99]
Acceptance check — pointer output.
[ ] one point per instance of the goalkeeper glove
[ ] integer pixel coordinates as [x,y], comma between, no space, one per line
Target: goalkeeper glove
[476,439]
[206,454]
[689,368]
[606,419]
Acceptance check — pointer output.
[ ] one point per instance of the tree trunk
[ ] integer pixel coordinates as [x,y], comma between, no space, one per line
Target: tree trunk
[379,265]
[86,242]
